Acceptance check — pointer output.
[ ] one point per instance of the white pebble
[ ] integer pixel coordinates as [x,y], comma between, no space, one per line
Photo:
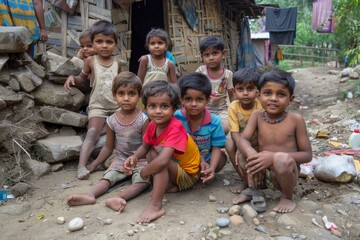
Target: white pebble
[108,221]
[222,222]
[60,220]
[76,224]
[130,232]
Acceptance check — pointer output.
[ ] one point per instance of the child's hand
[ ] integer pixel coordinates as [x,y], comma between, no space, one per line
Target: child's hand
[259,162]
[70,81]
[207,175]
[130,164]
[80,54]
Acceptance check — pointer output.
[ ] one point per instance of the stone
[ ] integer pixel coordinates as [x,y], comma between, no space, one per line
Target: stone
[222,222]
[60,220]
[236,220]
[248,213]
[4,76]
[10,97]
[27,79]
[108,221]
[59,65]
[38,168]
[234,210]
[15,209]
[13,39]
[53,149]
[3,59]
[56,167]
[14,85]
[62,117]
[19,189]
[212,198]
[287,220]
[353,75]
[222,209]
[54,95]
[75,224]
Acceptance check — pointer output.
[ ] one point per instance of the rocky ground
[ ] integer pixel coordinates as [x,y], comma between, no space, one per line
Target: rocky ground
[191,214]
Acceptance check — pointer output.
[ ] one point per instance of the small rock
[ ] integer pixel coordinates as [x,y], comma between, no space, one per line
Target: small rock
[234,210]
[222,222]
[302,237]
[273,214]
[226,182]
[222,209]
[136,230]
[211,236]
[328,194]
[108,221]
[181,222]
[76,224]
[225,232]
[256,221]
[342,212]
[130,232]
[236,219]
[335,232]
[260,229]
[212,198]
[60,220]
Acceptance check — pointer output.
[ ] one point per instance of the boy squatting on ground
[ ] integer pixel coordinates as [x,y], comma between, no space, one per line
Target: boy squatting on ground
[282,138]
[245,89]
[174,157]
[203,126]
[102,68]
[124,133]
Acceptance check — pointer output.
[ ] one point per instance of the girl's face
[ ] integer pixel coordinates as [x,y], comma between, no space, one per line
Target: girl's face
[127,98]
[194,102]
[157,46]
[213,57]
[275,98]
[104,45]
[160,110]
[86,47]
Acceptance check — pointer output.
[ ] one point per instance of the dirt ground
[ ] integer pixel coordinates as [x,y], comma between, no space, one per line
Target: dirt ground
[190,214]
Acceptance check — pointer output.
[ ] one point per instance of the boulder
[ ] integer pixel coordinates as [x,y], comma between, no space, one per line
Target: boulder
[62,116]
[54,95]
[53,149]
[13,39]
[59,65]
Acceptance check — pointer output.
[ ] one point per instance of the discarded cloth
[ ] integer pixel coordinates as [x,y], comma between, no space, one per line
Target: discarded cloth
[281,23]
[322,19]
[245,50]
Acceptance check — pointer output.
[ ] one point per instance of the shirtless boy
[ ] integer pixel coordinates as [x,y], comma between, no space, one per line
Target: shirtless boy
[282,139]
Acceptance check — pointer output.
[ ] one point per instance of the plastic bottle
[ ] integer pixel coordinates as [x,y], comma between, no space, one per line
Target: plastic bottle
[354,140]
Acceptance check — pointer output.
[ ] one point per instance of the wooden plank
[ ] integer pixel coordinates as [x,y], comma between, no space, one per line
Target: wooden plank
[121,27]
[99,13]
[75,22]
[109,4]
[100,3]
[63,33]
[119,15]
[72,34]
[86,15]
[90,1]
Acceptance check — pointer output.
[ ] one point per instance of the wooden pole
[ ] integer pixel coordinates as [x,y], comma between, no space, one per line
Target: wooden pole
[64,33]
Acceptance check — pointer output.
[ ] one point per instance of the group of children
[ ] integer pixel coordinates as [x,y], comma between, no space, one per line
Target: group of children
[178,139]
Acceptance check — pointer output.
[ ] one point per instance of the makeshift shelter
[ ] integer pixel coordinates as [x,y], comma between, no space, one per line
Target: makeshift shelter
[186,21]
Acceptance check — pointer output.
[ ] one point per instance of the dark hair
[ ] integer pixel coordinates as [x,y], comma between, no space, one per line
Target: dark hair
[215,42]
[104,27]
[246,75]
[126,79]
[158,88]
[157,32]
[197,81]
[85,34]
[278,76]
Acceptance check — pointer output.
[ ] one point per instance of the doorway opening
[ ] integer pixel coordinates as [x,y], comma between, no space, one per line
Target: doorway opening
[145,16]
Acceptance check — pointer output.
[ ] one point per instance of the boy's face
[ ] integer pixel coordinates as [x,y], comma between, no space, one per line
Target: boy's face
[157,46]
[86,47]
[194,101]
[160,110]
[213,57]
[246,94]
[275,98]
[127,98]
[104,45]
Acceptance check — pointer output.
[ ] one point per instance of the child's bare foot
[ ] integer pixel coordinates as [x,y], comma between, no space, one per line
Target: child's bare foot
[241,198]
[116,203]
[238,188]
[83,173]
[150,213]
[285,206]
[76,200]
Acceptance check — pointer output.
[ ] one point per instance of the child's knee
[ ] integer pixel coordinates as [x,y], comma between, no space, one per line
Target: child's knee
[283,162]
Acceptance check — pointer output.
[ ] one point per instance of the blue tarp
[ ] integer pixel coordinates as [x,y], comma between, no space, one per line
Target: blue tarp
[245,51]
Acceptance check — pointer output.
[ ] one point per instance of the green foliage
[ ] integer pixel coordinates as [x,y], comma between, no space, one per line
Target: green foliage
[356,85]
